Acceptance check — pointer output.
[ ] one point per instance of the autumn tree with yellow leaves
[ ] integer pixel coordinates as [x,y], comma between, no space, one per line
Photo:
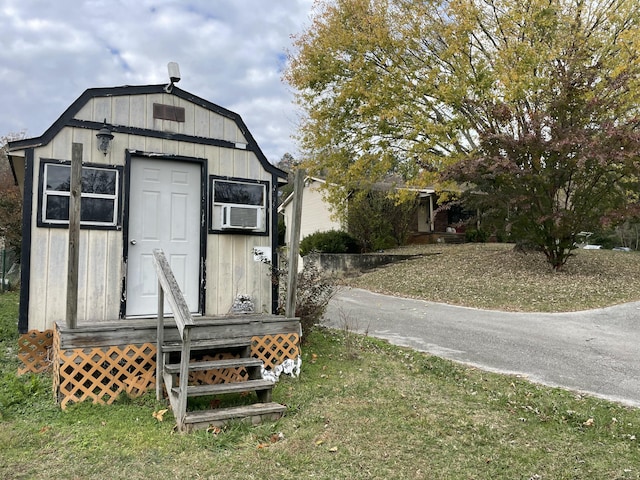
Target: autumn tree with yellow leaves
[528,109]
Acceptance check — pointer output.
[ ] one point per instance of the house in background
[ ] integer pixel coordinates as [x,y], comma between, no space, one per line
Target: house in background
[316,212]
[430,224]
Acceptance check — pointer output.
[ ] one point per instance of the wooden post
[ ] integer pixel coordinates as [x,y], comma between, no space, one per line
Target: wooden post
[294,243]
[75,192]
[159,343]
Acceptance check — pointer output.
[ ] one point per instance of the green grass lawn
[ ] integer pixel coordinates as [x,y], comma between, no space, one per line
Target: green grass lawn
[362,409]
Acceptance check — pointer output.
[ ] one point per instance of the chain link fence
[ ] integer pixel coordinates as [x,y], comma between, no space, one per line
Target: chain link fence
[9,269]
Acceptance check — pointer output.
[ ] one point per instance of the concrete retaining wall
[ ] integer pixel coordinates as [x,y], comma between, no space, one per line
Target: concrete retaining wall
[352,263]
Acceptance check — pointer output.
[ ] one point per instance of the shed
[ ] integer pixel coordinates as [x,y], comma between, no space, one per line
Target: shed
[182,175]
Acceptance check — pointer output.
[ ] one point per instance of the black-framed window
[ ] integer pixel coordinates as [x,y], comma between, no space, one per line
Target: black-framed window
[238,205]
[101,186]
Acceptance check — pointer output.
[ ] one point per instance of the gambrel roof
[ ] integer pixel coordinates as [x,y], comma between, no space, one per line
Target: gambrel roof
[72,118]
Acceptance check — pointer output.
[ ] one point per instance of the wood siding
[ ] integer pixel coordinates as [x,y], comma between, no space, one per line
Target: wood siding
[316,214]
[230,265]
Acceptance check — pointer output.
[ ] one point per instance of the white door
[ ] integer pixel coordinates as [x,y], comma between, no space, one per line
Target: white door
[164,212]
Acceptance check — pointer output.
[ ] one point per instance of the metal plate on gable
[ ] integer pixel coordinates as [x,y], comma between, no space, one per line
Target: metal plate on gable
[168,112]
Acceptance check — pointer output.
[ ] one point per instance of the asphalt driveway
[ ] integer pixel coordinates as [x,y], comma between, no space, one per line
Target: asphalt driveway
[594,351]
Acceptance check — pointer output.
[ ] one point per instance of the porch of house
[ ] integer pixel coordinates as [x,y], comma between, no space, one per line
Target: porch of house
[421,238]
[102,360]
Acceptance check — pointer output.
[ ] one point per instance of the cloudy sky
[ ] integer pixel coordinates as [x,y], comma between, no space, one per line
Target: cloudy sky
[230,52]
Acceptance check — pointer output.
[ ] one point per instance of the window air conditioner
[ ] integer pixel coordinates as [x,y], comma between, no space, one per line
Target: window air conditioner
[244,217]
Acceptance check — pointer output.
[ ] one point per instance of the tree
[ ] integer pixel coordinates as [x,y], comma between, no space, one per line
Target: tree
[287,163]
[532,106]
[10,200]
[378,220]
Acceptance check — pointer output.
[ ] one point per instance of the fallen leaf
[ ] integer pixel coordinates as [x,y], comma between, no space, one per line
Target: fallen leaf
[159,414]
[212,429]
[45,429]
[276,437]
[333,449]
[319,442]
[588,423]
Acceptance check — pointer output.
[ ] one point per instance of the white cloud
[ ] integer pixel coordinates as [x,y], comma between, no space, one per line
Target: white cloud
[230,52]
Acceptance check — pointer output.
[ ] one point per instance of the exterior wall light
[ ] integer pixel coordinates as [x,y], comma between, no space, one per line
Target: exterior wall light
[104,137]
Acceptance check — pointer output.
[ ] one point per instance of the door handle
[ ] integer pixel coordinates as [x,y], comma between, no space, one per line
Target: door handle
[133,242]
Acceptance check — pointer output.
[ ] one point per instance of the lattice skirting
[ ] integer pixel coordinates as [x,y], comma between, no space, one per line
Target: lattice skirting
[274,349]
[34,351]
[226,375]
[101,374]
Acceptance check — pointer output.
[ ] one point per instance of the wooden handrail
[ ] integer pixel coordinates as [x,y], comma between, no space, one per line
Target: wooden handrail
[169,288]
[168,285]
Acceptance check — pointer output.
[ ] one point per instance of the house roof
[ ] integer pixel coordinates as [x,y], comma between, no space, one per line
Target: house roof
[67,119]
[395,183]
[380,186]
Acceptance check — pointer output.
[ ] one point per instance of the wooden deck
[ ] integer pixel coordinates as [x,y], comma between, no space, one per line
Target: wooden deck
[140,331]
[100,361]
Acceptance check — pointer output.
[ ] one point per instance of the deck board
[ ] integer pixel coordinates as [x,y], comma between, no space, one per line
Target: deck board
[143,330]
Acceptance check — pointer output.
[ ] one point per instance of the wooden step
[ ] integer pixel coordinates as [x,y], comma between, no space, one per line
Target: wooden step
[256,413]
[208,344]
[174,368]
[224,388]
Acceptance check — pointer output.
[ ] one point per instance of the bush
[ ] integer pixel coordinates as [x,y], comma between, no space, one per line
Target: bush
[379,221]
[313,293]
[502,236]
[608,240]
[282,230]
[332,241]
[476,236]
